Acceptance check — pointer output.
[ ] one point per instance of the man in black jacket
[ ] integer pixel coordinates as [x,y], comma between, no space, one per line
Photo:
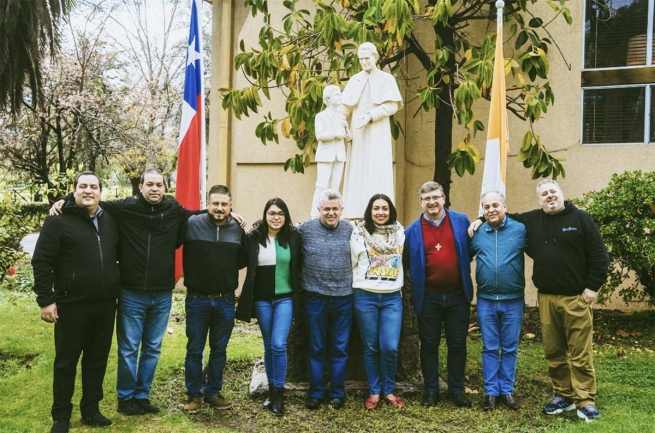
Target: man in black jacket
[76,253]
[214,251]
[570,266]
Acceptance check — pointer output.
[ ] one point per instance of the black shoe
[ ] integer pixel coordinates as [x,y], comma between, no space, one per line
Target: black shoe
[489,402]
[312,403]
[509,401]
[430,399]
[267,402]
[146,405]
[96,419]
[277,405]
[337,403]
[60,426]
[460,399]
[130,407]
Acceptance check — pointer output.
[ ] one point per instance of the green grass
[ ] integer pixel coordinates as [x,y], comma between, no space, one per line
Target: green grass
[625,371]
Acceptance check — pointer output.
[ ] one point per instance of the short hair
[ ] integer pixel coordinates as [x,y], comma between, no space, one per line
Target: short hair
[500,194]
[547,181]
[219,189]
[367,48]
[369,224]
[150,171]
[76,179]
[430,186]
[329,194]
[329,91]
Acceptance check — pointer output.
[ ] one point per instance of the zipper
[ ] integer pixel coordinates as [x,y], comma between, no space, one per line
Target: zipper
[102,261]
[497,291]
[218,231]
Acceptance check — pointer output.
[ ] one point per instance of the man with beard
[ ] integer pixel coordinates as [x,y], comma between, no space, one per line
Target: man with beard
[214,251]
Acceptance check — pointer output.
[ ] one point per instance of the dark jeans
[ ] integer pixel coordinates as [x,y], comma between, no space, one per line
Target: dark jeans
[275,318]
[453,311]
[82,329]
[216,317]
[329,320]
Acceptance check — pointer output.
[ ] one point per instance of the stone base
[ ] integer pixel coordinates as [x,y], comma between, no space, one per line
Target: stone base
[259,385]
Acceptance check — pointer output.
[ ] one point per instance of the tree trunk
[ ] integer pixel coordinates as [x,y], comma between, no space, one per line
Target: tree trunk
[135,181]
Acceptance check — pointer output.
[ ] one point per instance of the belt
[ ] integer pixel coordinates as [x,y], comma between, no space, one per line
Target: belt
[217,295]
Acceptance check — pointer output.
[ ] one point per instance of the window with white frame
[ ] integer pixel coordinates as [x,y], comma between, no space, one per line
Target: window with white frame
[618,77]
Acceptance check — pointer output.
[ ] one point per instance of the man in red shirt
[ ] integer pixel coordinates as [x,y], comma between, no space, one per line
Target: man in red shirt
[437,262]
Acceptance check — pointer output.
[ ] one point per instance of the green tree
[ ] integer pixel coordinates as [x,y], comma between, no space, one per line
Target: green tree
[312,49]
[625,214]
[29,29]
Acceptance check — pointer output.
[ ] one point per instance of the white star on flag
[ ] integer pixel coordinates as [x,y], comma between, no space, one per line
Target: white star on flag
[192,55]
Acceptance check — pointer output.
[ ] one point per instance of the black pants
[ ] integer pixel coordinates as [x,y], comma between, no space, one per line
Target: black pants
[81,328]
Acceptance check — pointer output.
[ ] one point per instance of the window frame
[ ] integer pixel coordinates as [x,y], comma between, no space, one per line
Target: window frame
[628,77]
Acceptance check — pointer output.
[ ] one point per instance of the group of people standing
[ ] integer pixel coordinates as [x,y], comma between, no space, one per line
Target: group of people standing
[326,270]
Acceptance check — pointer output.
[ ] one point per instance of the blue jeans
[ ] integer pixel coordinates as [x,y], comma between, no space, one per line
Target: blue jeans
[329,320]
[453,311]
[500,325]
[274,318]
[379,316]
[216,317]
[141,321]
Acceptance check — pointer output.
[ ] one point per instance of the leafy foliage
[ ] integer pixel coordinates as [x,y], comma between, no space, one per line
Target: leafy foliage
[625,214]
[307,51]
[12,230]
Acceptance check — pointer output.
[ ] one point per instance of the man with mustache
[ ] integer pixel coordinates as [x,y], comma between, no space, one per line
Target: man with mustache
[570,266]
[436,259]
[214,251]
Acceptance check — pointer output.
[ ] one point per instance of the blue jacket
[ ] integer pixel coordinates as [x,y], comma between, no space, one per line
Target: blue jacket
[500,263]
[414,256]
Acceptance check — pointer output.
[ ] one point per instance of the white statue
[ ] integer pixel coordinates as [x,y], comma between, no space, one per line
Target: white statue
[332,132]
[371,97]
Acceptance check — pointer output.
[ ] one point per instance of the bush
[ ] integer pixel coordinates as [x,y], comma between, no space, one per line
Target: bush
[12,229]
[625,214]
[21,281]
[34,214]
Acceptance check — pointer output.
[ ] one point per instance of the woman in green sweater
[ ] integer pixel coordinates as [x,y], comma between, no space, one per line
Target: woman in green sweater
[272,282]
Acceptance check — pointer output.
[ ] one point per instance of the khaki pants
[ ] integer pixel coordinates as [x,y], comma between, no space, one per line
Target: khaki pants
[567,328]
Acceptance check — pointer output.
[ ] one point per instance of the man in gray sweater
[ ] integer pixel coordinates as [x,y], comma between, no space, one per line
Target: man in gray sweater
[327,280]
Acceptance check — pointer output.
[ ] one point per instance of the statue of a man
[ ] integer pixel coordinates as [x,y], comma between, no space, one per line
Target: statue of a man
[371,97]
[331,132]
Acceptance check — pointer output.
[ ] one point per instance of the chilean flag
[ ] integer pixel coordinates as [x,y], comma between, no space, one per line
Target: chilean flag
[191,160]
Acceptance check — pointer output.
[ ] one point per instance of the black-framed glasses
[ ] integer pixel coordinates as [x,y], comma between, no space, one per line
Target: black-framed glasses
[272,214]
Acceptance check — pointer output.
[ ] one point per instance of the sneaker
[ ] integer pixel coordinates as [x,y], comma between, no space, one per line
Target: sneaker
[193,404]
[96,419]
[219,402]
[589,413]
[558,405]
[130,407]
[60,426]
[146,405]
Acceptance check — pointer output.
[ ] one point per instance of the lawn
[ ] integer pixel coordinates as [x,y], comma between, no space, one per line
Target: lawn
[624,358]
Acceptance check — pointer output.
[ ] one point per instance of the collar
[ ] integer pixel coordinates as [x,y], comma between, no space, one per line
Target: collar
[98,212]
[435,223]
[327,226]
[503,223]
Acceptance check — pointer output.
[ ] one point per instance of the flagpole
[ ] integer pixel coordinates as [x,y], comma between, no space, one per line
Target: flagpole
[203,141]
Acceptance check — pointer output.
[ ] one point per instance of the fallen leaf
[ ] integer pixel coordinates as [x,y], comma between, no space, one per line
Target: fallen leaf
[473,329]
[622,333]
[620,352]
[468,390]
[529,336]
[636,334]
[170,330]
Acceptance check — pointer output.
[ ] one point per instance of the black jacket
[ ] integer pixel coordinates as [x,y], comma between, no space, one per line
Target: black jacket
[568,252]
[212,255]
[148,235]
[77,259]
[244,310]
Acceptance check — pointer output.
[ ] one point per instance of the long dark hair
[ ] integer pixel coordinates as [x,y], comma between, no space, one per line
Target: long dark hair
[285,232]
[368,219]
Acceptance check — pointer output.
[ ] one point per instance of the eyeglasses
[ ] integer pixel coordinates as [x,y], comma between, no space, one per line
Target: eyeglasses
[272,214]
[433,198]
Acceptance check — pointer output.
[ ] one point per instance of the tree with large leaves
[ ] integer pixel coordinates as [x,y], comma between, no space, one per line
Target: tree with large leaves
[29,29]
[309,50]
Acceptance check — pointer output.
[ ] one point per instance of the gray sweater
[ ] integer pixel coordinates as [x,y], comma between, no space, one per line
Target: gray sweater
[326,266]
